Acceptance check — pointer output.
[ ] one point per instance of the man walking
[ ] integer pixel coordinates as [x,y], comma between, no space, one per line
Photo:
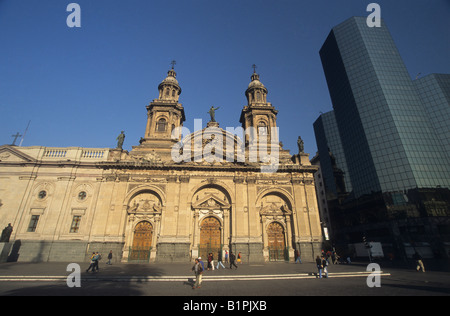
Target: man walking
[419,262]
[319,266]
[232,259]
[219,260]
[198,271]
[297,256]
[91,263]
[96,259]
[109,257]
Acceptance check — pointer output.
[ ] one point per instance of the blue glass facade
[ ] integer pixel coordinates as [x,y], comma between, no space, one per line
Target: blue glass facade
[328,141]
[387,136]
[434,91]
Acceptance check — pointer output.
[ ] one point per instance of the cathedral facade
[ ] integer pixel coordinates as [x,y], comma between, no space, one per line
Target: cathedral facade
[172,198]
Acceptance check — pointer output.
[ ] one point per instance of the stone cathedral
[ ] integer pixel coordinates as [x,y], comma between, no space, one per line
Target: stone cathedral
[146,206]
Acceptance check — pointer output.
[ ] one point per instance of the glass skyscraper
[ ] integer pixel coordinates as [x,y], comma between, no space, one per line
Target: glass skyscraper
[434,91]
[387,136]
[329,143]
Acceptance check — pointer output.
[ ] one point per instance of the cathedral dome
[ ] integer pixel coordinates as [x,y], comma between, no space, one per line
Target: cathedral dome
[169,89]
[255,83]
[171,79]
[256,91]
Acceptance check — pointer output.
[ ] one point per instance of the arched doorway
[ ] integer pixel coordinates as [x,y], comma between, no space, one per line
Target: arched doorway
[276,241]
[210,237]
[142,242]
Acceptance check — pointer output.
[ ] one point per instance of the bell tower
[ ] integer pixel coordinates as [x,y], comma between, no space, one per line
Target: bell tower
[164,115]
[258,114]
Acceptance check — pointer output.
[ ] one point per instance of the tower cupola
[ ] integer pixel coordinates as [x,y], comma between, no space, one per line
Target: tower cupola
[256,92]
[169,89]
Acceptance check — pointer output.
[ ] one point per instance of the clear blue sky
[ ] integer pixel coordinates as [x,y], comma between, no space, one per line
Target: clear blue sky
[82,86]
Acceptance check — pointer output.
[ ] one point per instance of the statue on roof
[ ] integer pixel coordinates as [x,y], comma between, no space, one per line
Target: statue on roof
[120,139]
[212,113]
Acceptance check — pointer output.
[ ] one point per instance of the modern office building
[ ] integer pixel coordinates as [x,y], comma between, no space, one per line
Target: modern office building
[390,136]
[331,152]
[434,91]
[389,141]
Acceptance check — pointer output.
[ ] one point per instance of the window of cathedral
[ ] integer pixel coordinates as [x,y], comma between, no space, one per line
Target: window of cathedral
[33,223]
[82,195]
[42,194]
[161,126]
[262,128]
[74,228]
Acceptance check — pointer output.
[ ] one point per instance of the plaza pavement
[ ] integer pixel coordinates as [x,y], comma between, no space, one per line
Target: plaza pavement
[176,279]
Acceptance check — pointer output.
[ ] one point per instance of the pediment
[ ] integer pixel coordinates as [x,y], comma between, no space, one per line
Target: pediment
[211,201]
[11,154]
[275,209]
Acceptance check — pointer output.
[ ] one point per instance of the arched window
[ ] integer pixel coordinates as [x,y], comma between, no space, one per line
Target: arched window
[258,96]
[262,128]
[161,125]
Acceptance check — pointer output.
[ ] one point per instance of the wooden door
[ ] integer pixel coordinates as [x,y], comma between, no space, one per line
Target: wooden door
[142,241]
[210,237]
[276,240]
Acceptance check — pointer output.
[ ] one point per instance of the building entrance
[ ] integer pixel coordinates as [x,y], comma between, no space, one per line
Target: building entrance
[277,243]
[142,242]
[210,238]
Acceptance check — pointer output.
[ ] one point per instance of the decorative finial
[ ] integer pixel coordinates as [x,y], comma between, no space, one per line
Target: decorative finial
[254,68]
[173,63]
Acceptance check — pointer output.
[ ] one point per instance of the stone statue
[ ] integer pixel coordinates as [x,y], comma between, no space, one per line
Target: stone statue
[6,233]
[301,146]
[120,140]
[212,112]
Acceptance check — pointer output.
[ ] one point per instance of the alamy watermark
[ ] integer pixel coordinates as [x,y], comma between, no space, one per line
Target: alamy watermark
[374,278]
[374,18]
[74,18]
[74,278]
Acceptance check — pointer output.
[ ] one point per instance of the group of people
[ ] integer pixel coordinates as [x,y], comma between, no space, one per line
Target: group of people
[95,258]
[325,258]
[199,266]
[322,266]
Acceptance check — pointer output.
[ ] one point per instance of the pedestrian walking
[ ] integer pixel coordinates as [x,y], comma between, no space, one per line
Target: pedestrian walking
[96,259]
[212,261]
[419,262]
[319,266]
[110,255]
[325,266]
[219,260]
[336,258]
[297,256]
[198,271]
[232,259]
[226,256]
[201,262]
[91,263]
[209,266]
[239,258]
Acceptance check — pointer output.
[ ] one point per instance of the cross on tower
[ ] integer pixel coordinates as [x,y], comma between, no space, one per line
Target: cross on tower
[254,68]
[173,63]
[15,138]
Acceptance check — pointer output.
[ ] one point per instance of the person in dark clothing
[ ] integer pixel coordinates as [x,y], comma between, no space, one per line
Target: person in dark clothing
[92,263]
[96,259]
[109,257]
[219,260]
[325,266]
[232,259]
[419,262]
[319,266]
